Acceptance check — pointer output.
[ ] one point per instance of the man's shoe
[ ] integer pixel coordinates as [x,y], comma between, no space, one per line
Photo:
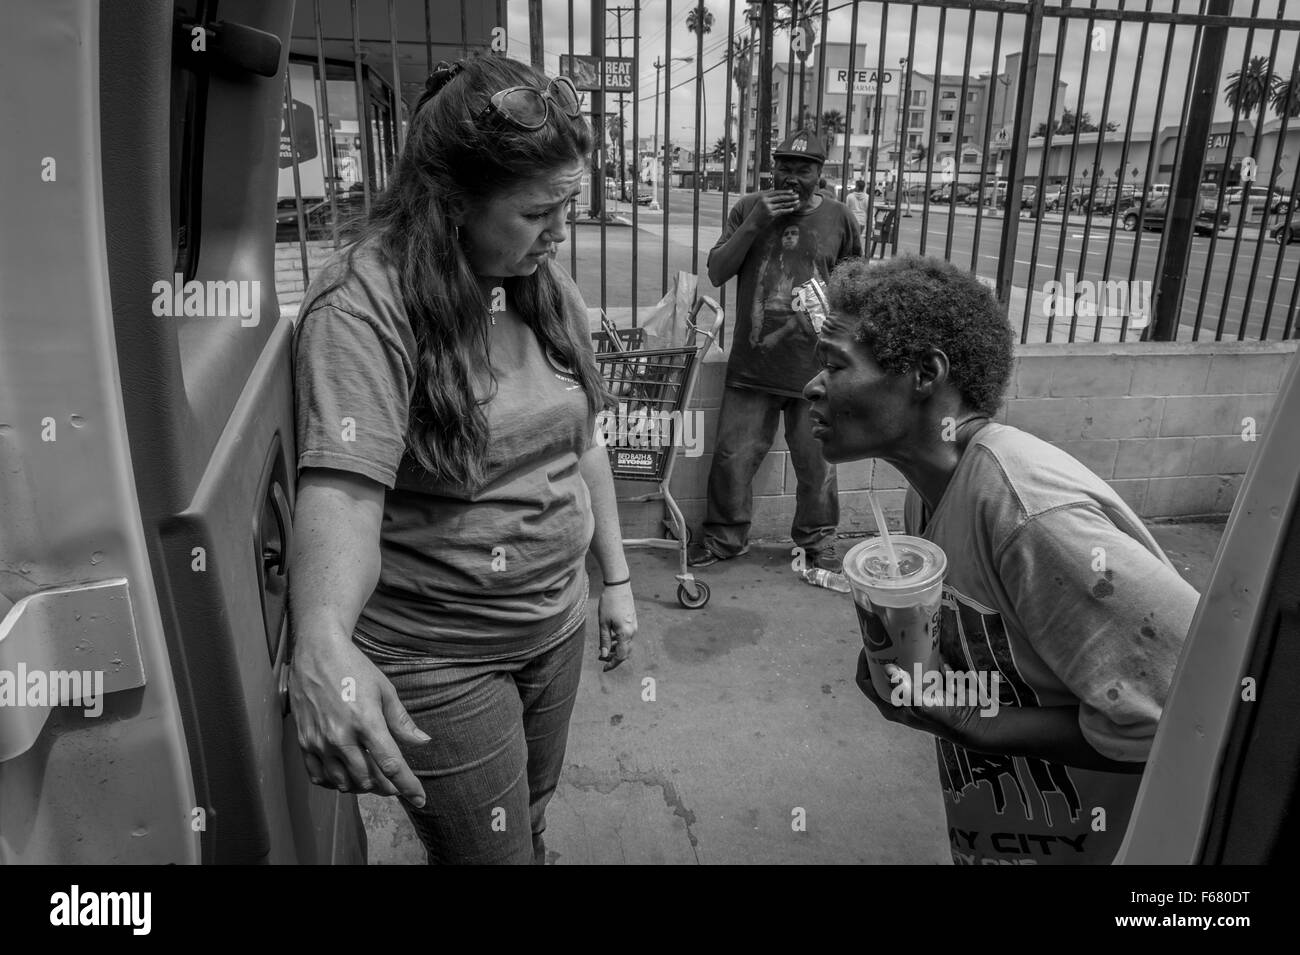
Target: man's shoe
[826,559]
[697,555]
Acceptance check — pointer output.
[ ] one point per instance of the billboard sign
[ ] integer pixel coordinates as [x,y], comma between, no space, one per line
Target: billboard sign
[585,73]
[864,81]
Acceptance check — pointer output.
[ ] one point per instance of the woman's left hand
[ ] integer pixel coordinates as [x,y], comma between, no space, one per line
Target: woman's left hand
[953,723]
[617,614]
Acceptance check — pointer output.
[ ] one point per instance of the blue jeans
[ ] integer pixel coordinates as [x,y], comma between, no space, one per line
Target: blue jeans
[499,729]
[746,428]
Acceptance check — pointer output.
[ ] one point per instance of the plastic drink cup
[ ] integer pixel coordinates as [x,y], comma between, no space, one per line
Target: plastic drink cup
[899,615]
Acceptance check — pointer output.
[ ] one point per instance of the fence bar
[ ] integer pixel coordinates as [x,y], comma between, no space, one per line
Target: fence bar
[397,77]
[332,183]
[297,185]
[1217,21]
[699,136]
[668,112]
[1123,156]
[727,145]
[789,71]
[821,72]
[904,121]
[636,149]
[573,203]
[1185,197]
[1153,156]
[1291,217]
[428,36]
[1096,164]
[1272,185]
[363,112]
[961,135]
[763,124]
[1067,194]
[877,108]
[599,20]
[1242,224]
[1221,186]
[1281,250]
[848,96]
[934,124]
[984,146]
[1019,151]
[1074,151]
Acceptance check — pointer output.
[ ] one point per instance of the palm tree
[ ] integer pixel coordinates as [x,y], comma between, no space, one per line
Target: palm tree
[692,19]
[1247,90]
[1251,87]
[742,57]
[831,125]
[719,153]
[1286,96]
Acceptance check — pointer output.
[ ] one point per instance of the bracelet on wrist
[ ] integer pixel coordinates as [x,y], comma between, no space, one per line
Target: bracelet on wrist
[618,583]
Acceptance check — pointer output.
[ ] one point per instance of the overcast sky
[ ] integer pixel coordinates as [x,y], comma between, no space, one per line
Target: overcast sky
[653,30]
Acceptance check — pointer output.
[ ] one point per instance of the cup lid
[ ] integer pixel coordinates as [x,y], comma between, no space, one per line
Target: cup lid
[922,561]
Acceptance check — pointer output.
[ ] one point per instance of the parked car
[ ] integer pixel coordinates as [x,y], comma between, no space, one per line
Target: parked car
[1276,202]
[1054,197]
[1287,232]
[1152,216]
[1028,198]
[644,196]
[946,192]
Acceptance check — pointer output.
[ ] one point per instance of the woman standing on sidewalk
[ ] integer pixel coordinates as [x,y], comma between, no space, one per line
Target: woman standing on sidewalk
[448,486]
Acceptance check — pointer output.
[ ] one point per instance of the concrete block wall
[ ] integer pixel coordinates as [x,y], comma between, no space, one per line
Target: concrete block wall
[1164,424]
[288,271]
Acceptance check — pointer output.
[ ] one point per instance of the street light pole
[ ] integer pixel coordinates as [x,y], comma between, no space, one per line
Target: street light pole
[654,201]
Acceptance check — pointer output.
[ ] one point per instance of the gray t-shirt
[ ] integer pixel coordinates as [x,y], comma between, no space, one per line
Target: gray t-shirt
[1055,584]
[466,571]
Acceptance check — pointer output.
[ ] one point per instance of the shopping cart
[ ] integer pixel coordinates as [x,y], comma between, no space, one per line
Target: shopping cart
[652,387]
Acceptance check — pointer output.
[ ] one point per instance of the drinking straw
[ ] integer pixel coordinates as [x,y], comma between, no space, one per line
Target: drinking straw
[884,533]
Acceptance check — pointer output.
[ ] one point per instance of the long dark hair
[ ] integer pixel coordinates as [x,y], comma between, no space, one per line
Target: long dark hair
[452,161]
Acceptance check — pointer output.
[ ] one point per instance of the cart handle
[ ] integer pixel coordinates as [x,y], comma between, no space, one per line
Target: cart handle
[692,322]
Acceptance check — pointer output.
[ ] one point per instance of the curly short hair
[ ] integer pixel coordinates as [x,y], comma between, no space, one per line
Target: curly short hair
[911,303]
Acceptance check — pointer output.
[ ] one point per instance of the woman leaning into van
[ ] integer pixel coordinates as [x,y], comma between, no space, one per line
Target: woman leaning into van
[449,487]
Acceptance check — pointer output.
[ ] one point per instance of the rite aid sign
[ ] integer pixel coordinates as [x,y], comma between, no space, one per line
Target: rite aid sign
[864,81]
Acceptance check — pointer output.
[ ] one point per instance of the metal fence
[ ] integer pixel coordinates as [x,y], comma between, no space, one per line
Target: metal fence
[1034,143]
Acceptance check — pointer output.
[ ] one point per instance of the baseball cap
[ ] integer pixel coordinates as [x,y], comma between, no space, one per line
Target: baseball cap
[802,145]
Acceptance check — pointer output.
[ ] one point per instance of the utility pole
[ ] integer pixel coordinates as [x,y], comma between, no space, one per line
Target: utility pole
[622,132]
[535,54]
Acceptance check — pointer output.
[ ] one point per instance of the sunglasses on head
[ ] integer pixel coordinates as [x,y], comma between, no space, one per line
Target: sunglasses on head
[528,107]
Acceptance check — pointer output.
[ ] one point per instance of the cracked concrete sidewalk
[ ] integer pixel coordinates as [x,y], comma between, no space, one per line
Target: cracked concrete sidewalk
[756,723]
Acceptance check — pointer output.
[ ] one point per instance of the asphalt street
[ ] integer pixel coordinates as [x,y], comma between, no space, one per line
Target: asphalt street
[1219,286]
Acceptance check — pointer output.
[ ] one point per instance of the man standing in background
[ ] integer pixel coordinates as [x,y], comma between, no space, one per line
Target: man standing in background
[775,241]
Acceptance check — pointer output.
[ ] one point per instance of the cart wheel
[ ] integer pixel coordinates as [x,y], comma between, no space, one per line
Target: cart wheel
[699,600]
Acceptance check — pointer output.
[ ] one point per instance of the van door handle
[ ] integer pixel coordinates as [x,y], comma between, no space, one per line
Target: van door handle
[273,559]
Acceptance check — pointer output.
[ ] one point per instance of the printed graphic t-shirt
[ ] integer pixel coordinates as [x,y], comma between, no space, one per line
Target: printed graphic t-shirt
[466,571]
[790,251]
[1054,584]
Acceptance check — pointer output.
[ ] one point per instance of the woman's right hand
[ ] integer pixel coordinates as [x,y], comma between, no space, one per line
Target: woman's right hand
[350,721]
